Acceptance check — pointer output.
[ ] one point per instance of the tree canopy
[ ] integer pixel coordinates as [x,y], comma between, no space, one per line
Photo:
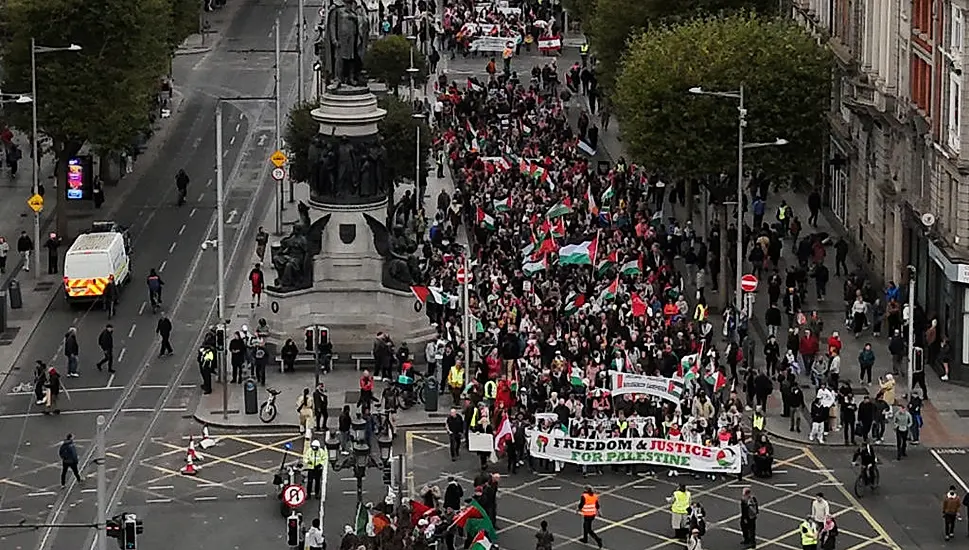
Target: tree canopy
[398,130]
[612,23]
[786,77]
[184,21]
[99,95]
[389,58]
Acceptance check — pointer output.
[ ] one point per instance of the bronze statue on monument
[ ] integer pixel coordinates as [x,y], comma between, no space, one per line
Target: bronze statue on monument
[345,39]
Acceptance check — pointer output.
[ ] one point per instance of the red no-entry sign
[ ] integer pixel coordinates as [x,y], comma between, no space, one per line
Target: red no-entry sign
[462,276]
[748,283]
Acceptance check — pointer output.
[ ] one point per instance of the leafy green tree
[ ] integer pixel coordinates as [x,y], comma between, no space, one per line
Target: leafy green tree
[184,21]
[582,10]
[787,79]
[389,58]
[100,95]
[300,131]
[612,22]
[398,130]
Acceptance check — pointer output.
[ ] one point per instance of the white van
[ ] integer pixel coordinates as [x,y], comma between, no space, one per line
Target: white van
[91,262]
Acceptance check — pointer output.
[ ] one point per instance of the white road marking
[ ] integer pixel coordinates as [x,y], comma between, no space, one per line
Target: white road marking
[785,485]
[344,492]
[88,490]
[172,248]
[182,230]
[121,355]
[201,197]
[110,381]
[232,141]
[192,213]
[250,496]
[785,471]
[161,268]
[947,468]
[550,488]
[161,487]
[832,484]
[142,308]
[41,494]
[10,510]
[648,486]
[94,411]
[201,499]
[208,182]
[253,482]
[238,125]
[225,153]
[348,479]
[157,500]
[132,330]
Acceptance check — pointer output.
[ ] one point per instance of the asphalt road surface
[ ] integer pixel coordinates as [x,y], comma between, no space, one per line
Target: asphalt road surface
[148,398]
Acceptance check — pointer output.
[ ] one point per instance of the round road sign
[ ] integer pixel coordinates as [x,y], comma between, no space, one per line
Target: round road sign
[279,174]
[748,283]
[294,495]
[462,276]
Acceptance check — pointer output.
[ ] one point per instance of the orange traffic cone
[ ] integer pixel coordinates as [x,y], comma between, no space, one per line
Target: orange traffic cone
[191,454]
[206,442]
[190,469]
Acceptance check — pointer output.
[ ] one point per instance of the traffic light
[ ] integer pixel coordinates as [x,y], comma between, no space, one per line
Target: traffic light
[113,529]
[293,525]
[309,339]
[132,528]
[220,337]
[318,338]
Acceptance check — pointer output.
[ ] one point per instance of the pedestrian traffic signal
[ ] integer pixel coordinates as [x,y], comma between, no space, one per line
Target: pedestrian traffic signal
[132,528]
[113,529]
[293,524]
[318,337]
[309,339]
[220,337]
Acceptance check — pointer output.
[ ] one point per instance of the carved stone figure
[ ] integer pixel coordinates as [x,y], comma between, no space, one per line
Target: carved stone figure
[401,269]
[293,259]
[345,41]
[347,171]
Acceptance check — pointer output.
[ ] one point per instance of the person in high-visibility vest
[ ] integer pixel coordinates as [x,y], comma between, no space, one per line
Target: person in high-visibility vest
[589,508]
[314,460]
[679,511]
[584,53]
[758,422]
[490,391]
[809,535]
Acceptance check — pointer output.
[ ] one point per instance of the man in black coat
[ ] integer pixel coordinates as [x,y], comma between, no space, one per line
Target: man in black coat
[453,495]
[106,343]
[164,329]
[749,509]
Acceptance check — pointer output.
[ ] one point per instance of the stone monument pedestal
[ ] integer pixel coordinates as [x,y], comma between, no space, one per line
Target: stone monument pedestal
[348,293]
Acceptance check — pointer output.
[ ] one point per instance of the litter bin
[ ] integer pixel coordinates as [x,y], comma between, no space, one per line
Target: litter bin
[251,396]
[16,298]
[430,394]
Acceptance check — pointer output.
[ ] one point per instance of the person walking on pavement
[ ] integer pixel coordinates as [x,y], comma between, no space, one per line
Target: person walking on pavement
[164,329]
[52,245]
[915,409]
[455,429]
[53,391]
[809,534]
[902,420]
[314,460]
[262,239]
[40,382]
[304,408]
[71,350]
[69,460]
[4,251]
[679,509]
[257,280]
[206,362]
[314,537]
[820,509]
[814,207]
[106,343]
[951,504]
[321,402]
[589,508]
[796,402]
[866,360]
[110,297]
[544,538]
[24,247]
[819,417]
[181,184]
[840,257]
[749,509]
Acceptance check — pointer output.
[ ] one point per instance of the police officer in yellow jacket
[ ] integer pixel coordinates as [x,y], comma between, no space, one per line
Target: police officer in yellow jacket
[589,508]
[314,460]
[679,511]
[206,362]
[809,534]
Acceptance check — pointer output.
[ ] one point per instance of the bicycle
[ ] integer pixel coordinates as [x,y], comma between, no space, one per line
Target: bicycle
[871,482]
[268,410]
[155,298]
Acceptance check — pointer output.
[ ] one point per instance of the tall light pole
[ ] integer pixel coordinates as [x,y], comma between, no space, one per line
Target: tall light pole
[300,37]
[911,330]
[412,70]
[741,147]
[418,189]
[35,169]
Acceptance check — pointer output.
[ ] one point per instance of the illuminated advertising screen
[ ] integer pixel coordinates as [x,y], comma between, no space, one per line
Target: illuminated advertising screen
[75,179]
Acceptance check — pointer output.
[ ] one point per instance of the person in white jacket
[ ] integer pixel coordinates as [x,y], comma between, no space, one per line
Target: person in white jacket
[820,509]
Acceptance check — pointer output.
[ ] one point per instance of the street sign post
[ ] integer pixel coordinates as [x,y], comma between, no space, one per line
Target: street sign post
[278,159]
[279,174]
[463,276]
[294,495]
[748,283]
[36,203]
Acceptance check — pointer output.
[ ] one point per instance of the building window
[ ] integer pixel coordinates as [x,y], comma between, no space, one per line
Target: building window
[921,84]
[955,111]
[951,211]
[955,40]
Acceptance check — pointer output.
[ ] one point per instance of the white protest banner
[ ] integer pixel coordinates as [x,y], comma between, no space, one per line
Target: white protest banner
[546,417]
[669,389]
[491,44]
[639,450]
[479,442]
[506,11]
[549,44]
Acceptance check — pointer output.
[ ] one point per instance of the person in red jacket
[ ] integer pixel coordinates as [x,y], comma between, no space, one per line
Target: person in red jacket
[809,346]
[366,389]
[257,281]
[834,343]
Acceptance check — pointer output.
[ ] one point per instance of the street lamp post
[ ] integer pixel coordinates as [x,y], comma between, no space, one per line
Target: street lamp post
[911,329]
[412,70]
[418,189]
[741,147]
[361,457]
[35,169]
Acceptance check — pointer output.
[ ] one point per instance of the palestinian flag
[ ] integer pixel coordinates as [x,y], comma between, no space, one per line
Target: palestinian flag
[478,325]
[607,197]
[593,209]
[611,291]
[657,219]
[716,379]
[556,230]
[523,166]
[579,254]
[473,146]
[575,377]
[484,219]
[473,86]
[531,268]
[481,542]
[364,524]
[470,129]
[430,294]
[633,267]
[503,205]
[420,511]
[689,367]
[546,247]
[562,208]
[608,262]
[638,305]
[538,172]
[474,518]
[573,303]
